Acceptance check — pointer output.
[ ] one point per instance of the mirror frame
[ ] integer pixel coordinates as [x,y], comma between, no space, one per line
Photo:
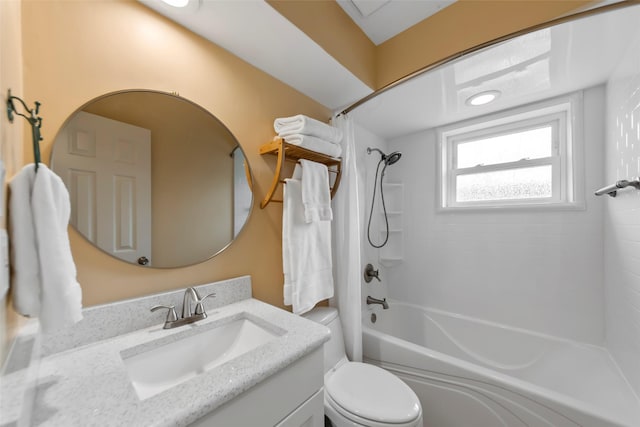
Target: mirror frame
[248,172]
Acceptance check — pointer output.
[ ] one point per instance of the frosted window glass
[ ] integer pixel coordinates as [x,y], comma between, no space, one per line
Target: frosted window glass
[525,183]
[528,144]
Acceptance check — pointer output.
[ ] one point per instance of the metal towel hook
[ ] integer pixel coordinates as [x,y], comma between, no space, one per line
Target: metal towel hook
[34,120]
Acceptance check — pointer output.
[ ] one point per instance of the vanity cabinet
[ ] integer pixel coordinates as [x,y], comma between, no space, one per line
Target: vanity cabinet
[293,397]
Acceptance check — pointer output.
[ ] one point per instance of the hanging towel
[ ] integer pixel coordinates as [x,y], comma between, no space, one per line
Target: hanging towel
[314,144]
[40,212]
[306,253]
[316,195]
[304,125]
[25,286]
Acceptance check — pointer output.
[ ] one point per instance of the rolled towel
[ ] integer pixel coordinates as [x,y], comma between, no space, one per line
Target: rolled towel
[304,125]
[314,144]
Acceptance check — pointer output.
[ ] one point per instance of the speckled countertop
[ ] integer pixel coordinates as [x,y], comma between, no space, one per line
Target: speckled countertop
[89,385]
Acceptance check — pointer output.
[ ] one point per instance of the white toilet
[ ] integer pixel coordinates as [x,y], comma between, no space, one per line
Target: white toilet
[358,394]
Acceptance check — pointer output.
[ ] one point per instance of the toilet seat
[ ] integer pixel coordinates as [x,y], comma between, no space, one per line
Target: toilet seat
[371,396]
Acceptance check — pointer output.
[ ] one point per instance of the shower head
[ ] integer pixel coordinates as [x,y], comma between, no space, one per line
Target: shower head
[388,159]
[393,157]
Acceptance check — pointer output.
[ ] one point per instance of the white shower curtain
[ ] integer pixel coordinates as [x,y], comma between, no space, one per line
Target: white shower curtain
[347,245]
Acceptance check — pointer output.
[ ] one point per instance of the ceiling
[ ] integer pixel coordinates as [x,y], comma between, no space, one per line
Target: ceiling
[532,67]
[246,28]
[541,65]
[382,19]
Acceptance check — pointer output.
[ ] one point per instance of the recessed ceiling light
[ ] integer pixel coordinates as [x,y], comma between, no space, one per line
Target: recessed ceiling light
[483,98]
[177,3]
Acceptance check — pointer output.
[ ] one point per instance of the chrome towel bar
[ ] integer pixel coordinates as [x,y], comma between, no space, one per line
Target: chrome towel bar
[612,190]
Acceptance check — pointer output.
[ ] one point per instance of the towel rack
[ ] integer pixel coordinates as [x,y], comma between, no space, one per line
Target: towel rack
[34,120]
[612,190]
[290,152]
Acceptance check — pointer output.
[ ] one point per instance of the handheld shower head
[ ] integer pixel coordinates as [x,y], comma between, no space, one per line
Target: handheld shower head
[393,158]
[388,159]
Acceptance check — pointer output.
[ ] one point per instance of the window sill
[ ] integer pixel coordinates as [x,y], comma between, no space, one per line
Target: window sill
[532,207]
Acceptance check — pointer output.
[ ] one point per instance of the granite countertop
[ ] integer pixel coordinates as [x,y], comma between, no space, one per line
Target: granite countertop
[89,385]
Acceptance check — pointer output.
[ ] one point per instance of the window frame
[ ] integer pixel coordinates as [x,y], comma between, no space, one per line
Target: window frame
[563,114]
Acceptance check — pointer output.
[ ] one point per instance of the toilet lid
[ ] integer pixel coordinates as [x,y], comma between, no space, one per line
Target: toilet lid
[371,392]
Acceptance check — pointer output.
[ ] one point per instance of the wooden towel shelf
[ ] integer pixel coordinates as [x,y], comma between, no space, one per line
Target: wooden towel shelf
[289,152]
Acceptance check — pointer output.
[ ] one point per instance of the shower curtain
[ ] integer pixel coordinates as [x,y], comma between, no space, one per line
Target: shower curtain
[347,245]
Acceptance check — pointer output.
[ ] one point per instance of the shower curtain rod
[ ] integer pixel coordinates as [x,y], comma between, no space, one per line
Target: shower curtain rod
[560,20]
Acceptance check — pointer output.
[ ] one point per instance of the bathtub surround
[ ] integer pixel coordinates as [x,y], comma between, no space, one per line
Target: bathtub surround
[347,247]
[622,219]
[532,269]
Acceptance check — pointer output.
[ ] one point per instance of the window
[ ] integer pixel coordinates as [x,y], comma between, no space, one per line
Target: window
[524,157]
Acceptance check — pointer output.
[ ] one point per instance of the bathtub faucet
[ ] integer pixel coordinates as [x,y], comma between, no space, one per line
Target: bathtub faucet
[382,302]
[370,273]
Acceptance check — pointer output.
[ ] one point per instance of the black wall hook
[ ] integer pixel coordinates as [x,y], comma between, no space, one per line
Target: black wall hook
[34,120]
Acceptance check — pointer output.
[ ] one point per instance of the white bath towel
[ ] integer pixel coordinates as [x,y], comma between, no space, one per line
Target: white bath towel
[25,283]
[301,124]
[314,144]
[316,195]
[306,253]
[40,212]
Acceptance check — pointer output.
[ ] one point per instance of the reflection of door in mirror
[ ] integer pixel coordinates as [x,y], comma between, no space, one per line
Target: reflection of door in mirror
[107,168]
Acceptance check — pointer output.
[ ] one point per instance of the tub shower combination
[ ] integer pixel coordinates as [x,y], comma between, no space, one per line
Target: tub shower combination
[469,372]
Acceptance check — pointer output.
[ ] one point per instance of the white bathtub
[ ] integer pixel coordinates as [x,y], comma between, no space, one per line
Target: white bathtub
[472,373]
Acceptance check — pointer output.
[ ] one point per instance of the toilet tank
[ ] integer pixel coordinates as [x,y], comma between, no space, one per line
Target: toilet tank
[334,348]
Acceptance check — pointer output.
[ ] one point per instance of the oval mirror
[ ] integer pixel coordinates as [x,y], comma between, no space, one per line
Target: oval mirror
[153,178]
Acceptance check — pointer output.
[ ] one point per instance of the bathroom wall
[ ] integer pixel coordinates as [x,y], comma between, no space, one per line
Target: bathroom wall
[82,50]
[11,135]
[622,216]
[539,270]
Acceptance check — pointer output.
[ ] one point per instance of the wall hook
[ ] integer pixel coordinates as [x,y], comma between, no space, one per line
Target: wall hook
[34,120]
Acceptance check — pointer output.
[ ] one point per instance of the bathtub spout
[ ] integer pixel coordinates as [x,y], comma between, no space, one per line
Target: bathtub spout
[382,302]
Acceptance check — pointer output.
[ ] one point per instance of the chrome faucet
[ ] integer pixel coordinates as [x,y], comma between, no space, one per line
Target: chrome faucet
[190,295]
[382,302]
[190,313]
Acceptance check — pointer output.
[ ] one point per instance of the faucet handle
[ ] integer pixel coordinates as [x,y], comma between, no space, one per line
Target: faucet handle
[200,306]
[171,312]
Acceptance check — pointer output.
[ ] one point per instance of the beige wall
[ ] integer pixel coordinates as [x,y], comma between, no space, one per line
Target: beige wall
[80,50]
[11,134]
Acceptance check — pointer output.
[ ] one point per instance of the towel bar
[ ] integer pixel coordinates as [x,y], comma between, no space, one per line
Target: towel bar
[286,152]
[612,190]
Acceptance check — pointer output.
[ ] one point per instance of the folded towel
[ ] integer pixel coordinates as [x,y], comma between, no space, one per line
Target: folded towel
[306,254]
[304,125]
[40,212]
[316,196]
[314,144]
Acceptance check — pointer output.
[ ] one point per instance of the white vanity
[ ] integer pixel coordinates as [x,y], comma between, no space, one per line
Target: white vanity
[247,364]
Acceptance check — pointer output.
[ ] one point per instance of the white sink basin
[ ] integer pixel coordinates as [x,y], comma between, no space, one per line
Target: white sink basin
[169,364]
